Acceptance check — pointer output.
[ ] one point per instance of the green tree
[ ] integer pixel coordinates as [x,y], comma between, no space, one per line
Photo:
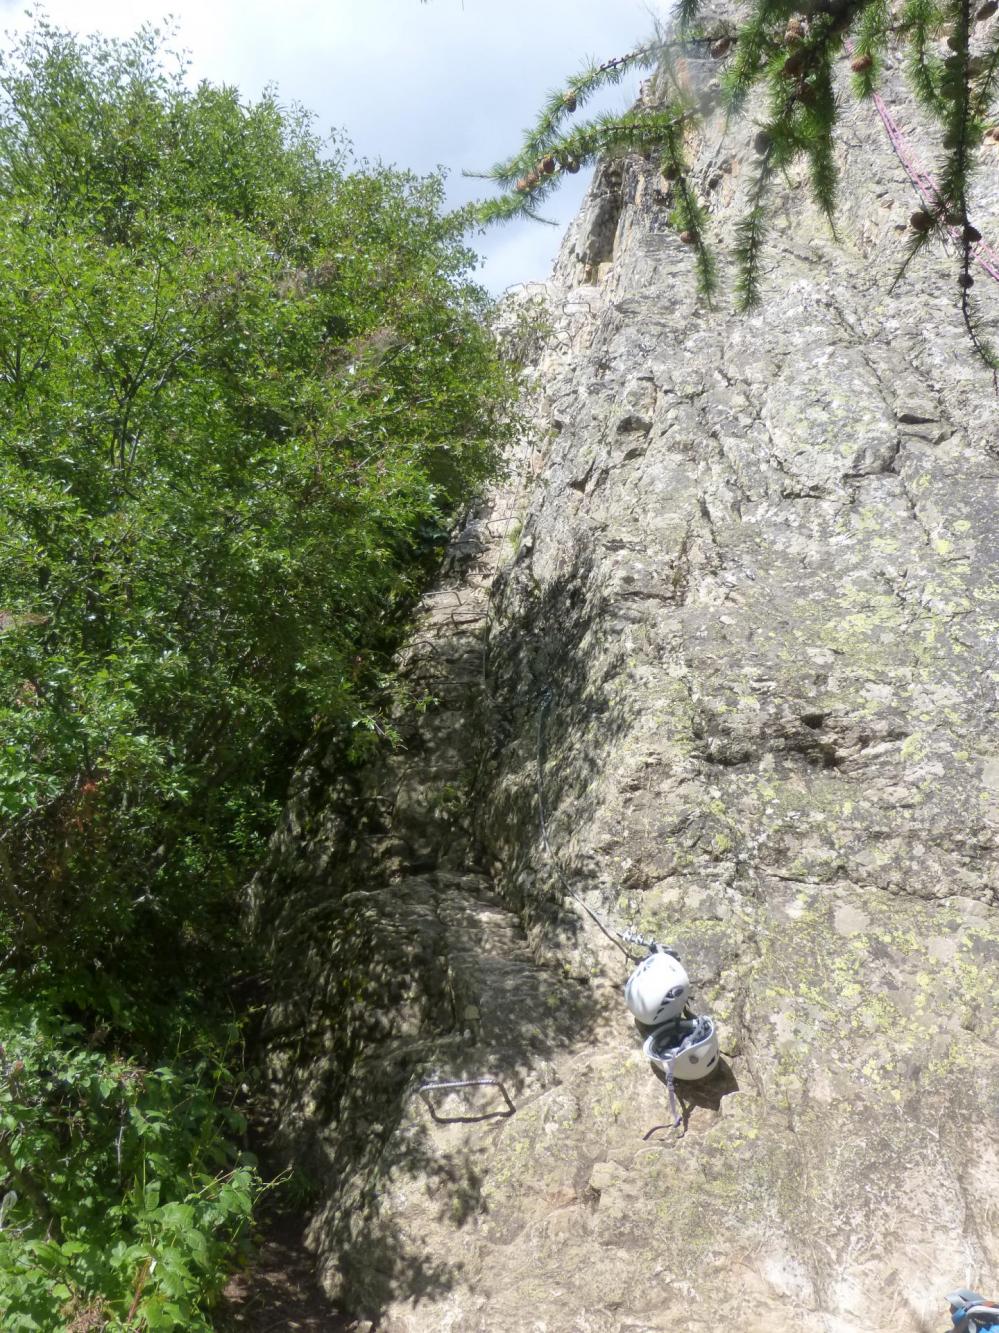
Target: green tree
[789,51]
[244,389]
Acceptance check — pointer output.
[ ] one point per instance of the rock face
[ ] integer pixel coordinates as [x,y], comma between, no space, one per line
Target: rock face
[754,561]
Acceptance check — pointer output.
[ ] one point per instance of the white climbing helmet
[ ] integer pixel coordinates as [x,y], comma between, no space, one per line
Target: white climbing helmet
[687,1048]
[657,990]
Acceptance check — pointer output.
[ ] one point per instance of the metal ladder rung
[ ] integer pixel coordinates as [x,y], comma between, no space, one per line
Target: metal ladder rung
[441,1085]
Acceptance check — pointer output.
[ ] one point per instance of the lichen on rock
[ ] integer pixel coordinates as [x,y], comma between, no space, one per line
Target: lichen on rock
[755,563]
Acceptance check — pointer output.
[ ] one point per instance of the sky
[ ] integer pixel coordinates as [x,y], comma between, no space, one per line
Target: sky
[449,83]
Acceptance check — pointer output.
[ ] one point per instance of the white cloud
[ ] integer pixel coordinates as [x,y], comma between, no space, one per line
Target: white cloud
[451,83]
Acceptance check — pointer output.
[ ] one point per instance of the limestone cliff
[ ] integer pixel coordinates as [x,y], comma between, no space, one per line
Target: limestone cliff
[755,561]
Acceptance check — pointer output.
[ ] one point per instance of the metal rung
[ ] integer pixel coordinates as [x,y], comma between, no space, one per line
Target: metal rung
[439,1086]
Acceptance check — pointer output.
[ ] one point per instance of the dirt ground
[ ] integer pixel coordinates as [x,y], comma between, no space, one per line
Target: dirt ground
[279,1290]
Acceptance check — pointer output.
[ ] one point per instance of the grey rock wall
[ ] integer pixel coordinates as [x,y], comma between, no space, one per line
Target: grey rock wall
[754,559]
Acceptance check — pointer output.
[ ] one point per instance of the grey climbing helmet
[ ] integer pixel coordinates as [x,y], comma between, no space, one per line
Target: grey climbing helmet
[686,1048]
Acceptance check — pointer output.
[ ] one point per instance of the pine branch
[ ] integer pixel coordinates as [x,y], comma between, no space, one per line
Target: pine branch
[689,216]
[636,131]
[694,219]
[873,31]
[955,92]
[797,65]
[922,22]
[791,48]
[979,340]
[751,231]
[753,51]
[686,13]
[916,242]
[580,88]
[506,208]
[987,84]
[962,131]
[967,131]
[818,119]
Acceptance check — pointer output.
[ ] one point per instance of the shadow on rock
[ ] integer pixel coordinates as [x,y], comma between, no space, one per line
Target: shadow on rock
[539,704]
[394,960]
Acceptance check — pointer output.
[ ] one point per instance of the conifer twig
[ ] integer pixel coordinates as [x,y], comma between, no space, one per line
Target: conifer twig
[791,49]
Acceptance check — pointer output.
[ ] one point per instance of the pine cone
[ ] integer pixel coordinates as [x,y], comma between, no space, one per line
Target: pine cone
[794,64]
[548,165]
[571,165]
[532,179]
[688,237]
[720,47]
[965,280]
[762,142]
[861,64]
[971,234]
[921,221]
[521,185]
[569,100]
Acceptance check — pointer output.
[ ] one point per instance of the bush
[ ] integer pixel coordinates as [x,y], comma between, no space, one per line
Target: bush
[120,1181]
[243,389]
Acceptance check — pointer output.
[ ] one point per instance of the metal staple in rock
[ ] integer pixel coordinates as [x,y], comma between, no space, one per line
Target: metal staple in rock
[440,1085]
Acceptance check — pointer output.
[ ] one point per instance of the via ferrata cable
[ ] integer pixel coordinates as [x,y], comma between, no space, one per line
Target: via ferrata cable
[620,938]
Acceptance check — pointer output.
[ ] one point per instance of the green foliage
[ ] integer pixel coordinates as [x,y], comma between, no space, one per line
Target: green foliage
[240,384]
[120,1181]
[749,237]
[244,388]
[788,51]
[549,152]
